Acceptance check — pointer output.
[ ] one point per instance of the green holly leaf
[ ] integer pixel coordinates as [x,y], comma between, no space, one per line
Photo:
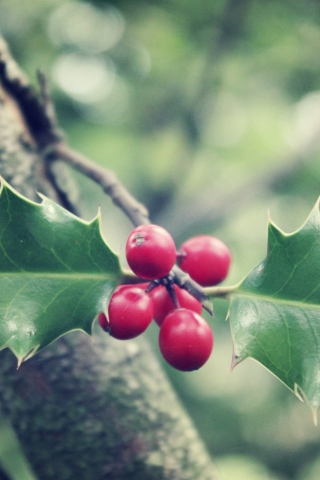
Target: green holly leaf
[56,272]
[275,310]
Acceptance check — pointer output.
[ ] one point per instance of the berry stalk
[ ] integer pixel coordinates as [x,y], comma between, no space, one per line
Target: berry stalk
[220,292]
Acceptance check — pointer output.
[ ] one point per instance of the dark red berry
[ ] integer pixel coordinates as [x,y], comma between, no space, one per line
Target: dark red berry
[103,321]
[163,303]
[185,340]
[206,259]
[150,252]
[130,312]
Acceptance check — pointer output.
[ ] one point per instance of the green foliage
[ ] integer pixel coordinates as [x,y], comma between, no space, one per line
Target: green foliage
[206,96]
[56,273]
[274,313]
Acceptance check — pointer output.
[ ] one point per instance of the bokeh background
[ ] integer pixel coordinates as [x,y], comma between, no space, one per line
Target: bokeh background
[209,113]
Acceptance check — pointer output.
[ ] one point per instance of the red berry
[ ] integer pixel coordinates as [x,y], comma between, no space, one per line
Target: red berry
[123,286]
[150,252]
[103,321]
[206,259]
[163,303]
[185,340]
[130,312]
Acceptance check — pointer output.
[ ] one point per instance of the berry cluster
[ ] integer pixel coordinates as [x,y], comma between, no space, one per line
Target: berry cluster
[185,338]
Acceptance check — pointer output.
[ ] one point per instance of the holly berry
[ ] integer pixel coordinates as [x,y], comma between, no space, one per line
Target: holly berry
[206,259]
[103,321]
[150,252]
[130,312]
[163,303]
[185,340]
[122,286]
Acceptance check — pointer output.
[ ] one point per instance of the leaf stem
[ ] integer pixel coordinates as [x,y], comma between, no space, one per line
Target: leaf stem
[220,292]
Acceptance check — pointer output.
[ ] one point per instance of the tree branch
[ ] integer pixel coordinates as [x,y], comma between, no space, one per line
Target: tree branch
[36,110]
[83,410]
[98,410]
[135,211]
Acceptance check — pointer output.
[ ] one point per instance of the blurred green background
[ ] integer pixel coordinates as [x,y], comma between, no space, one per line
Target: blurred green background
[209,113]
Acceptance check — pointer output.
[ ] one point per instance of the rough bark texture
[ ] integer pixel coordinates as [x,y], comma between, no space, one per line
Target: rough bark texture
[82,409]
[100,410]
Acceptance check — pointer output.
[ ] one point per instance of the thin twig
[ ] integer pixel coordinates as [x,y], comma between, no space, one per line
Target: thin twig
[172,293]
[134,210]
[48,107]
[184,281]
[220,292]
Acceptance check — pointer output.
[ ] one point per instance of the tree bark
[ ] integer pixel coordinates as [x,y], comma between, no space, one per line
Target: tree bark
[83,409]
